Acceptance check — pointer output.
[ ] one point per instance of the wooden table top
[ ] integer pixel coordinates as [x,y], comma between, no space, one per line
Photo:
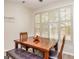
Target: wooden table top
[44,44]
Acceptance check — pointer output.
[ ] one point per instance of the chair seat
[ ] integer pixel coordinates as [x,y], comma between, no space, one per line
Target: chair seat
[22,54]
[53,54]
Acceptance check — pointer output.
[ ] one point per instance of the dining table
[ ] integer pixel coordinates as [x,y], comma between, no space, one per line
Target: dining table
[44,44]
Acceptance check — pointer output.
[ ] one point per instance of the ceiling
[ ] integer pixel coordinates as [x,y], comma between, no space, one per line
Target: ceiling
[36,4]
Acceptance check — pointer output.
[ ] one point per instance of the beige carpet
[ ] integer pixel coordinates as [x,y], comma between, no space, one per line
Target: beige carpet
[68,56]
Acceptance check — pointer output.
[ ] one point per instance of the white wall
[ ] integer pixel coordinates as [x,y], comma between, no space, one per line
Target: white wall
[69,46]
[23,21]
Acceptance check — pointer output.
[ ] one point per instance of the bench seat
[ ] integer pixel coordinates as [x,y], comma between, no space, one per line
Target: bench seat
[22,54]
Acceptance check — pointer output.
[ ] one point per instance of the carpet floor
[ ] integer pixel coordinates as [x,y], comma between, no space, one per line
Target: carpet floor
[68,56]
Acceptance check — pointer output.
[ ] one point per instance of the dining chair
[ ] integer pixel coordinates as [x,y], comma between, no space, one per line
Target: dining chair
[23,37]
[55,46]
[55,54]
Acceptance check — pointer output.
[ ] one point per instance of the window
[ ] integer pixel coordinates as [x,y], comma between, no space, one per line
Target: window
[37,24]
[55,23]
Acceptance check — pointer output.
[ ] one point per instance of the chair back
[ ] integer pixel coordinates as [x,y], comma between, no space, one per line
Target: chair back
[56,45]
[61,49]
[23,36]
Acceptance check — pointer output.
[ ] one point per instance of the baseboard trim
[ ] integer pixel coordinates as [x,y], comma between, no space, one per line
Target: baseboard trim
[68,53]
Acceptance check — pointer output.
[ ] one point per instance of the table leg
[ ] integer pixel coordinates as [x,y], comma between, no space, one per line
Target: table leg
[46,55]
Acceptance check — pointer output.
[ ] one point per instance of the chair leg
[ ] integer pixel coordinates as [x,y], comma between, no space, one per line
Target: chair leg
[26,48]
[33,50]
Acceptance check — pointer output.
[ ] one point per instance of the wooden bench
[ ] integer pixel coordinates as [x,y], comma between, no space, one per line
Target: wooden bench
[21,54]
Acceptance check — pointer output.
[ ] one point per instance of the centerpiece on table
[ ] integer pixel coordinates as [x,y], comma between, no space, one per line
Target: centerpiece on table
[36,39]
